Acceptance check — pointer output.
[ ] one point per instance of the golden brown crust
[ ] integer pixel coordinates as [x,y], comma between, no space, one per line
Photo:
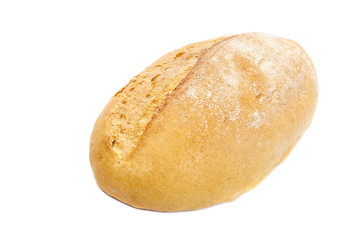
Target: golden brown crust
[218,132]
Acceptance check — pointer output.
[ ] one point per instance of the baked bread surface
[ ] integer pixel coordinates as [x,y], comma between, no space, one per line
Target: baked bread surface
[204,123]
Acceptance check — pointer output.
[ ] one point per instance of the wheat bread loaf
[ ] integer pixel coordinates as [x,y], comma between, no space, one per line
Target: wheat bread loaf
[204,123]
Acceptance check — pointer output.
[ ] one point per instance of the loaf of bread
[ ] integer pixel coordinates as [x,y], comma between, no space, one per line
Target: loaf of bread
[204,123]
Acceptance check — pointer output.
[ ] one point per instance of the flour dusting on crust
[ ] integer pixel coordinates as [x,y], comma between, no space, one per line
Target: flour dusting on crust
[254,75]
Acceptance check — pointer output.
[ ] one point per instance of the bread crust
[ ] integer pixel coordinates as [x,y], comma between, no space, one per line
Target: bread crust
[234,117]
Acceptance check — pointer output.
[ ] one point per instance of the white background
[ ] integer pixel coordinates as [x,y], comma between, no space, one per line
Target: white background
[61,61]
